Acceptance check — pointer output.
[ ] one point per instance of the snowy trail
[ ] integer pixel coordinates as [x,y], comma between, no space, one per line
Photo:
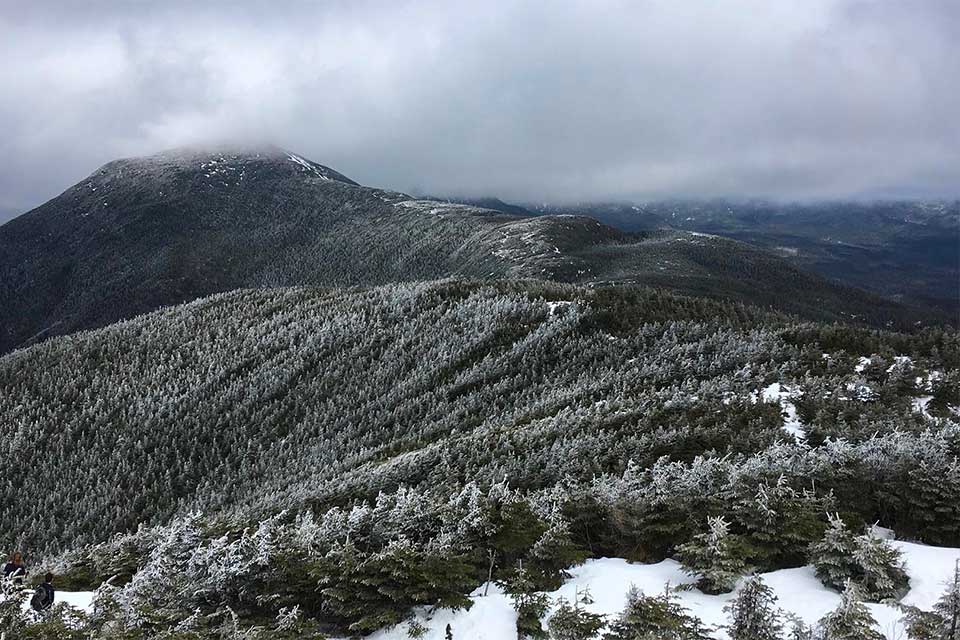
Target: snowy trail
[80,599]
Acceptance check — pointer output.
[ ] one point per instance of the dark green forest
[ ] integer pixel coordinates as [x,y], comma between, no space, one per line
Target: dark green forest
[354,453]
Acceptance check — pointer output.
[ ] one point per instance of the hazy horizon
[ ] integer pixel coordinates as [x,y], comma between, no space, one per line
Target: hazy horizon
[578,102]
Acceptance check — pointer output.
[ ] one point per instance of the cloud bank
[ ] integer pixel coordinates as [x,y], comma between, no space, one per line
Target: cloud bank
[559,101]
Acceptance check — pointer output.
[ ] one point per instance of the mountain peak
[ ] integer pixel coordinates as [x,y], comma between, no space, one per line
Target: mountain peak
[222,161]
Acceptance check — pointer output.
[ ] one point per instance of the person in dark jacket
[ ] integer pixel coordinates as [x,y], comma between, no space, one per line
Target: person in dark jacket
[43,596]
[14,570]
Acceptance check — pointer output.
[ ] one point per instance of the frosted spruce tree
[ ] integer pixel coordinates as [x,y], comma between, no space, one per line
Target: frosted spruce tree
[552,554]
[753,613]
[661,617]
[572,622]
[164,590]
[943,622]
[948,607]
[851,620]
[798,629]
[529,604]
[879,568]
[715,557]
[832,556]
[872,563]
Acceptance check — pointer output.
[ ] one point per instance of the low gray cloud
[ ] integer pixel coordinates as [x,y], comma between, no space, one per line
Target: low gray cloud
[557,101]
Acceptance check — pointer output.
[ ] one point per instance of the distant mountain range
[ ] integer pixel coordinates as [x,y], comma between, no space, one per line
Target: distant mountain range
[904,250]
[143,233]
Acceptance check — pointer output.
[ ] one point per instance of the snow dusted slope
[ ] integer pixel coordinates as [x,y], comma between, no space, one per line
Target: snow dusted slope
[798,591]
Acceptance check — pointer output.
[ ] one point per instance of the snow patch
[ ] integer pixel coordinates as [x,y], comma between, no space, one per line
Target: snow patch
[553,305]
[307,165]
[82,600]
[784,394]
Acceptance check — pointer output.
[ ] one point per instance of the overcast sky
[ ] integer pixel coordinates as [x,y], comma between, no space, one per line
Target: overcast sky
[553,100]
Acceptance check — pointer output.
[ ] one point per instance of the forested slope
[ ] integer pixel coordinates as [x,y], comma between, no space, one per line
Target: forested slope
[357,452]
[260,399]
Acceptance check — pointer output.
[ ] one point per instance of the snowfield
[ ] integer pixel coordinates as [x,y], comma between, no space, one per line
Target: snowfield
[798,591]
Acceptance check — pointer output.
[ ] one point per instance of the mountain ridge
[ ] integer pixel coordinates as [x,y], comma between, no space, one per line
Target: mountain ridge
[143,233]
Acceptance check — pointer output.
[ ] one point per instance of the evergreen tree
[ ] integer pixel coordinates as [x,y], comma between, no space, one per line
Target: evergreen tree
[165,590]
[572,621]
[879,568]
[922,625]
[370,591]
[715,556]
[799,630]
[655,618]
[753,615]
[832,556]
[871,562]
[13,599]
[553,554]
[948,607]
[943,623]
[529,604]
[851,620]
[780,523]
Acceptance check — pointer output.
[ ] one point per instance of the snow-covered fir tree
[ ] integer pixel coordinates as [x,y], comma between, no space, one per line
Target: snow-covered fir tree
[571,621]
[868,560]
[943,622]
[529,604]
[948,607]
[879,568]
[648,617]
[851,620]
[715,557]
[753,613]
[833,555]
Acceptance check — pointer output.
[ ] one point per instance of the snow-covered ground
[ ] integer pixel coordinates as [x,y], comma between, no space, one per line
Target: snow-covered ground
[79,599]
[608,579]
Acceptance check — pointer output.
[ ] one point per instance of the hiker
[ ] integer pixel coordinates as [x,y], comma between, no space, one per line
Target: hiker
[43,596]
[14,570]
